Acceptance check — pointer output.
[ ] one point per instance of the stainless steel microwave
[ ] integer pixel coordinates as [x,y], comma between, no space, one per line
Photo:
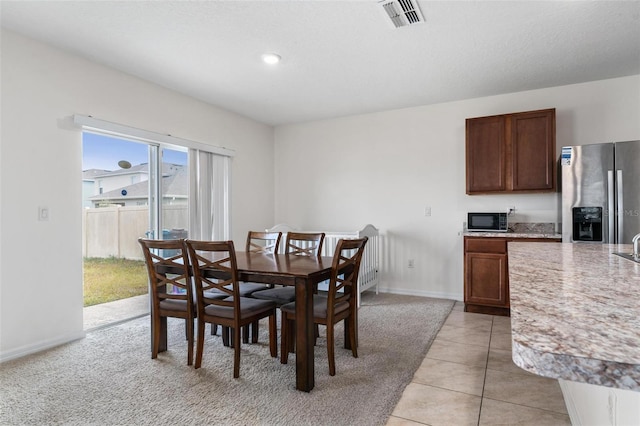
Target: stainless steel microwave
[487,222]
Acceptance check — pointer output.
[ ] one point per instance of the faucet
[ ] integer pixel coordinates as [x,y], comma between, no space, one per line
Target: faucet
[636,246]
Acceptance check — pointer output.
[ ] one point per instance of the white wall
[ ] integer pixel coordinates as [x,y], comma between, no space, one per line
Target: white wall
[41,262]
[385,168]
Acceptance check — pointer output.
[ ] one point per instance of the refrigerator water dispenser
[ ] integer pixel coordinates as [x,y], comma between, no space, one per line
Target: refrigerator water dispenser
[587,224]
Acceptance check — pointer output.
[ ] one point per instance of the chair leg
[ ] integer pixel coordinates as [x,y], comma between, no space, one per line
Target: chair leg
[225,336]
[255,327]
[349,328]
[236,352]
[284,343]
[190,341]
[273,335]
[352,338]
[331,350]
[292,336]
[200,343]
[214,329]
[155,336]
[245,334]
[162,337]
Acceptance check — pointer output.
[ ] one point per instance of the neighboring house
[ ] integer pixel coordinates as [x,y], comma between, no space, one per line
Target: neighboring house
[88,185]
[130,187]
[111,180]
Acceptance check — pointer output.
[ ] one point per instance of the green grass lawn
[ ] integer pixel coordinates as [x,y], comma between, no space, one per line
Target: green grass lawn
[109,279]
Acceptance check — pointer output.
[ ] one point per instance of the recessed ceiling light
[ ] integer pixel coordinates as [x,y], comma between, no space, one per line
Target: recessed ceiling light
[271,58]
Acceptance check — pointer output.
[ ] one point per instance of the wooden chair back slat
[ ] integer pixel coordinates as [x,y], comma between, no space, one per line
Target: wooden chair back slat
[304,243]
[214,270]
[343,284]
[263,242]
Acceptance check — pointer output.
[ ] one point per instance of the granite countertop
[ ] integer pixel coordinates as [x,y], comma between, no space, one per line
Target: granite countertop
[575,312]
[520,230]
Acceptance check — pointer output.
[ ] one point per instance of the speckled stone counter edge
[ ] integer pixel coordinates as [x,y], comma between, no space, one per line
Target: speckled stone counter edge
[592,371]
[553,362]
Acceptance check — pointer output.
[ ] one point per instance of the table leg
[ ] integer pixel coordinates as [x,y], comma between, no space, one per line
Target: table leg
[305,335]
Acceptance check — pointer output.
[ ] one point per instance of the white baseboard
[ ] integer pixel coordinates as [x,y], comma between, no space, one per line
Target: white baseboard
[40,346]
[411,292]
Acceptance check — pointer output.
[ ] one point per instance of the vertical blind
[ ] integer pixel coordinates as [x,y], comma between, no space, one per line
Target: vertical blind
[208,196]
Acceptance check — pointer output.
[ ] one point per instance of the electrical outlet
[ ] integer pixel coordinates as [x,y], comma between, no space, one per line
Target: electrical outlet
[427,211]
[411,263]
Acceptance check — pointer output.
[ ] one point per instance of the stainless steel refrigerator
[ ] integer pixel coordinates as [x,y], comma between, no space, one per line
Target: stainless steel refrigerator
[601,192]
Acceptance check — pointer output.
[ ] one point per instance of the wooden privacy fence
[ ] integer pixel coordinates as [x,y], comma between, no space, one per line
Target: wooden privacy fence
[114,231]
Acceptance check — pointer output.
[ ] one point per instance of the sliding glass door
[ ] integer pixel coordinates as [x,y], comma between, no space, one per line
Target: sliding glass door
[131,189]
[138,183]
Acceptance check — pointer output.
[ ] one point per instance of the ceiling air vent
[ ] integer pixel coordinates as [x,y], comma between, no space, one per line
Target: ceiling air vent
[402,12]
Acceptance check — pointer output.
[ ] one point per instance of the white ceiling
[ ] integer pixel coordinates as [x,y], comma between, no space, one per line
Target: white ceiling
[341,57]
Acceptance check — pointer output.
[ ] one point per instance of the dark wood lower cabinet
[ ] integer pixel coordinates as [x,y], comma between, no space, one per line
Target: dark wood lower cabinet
[486,274]
[487,280]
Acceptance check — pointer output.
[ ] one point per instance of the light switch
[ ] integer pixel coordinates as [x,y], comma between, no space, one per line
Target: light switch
[43,213]
[427,211]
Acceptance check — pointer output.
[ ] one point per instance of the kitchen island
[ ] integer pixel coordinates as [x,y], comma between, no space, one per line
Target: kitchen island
[575,316]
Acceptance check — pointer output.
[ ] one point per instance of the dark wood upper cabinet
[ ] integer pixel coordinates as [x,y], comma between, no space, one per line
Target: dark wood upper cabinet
[486,154]
[511,153]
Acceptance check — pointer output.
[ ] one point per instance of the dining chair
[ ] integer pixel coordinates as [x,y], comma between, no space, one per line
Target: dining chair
[304,243]
[215,269]
[296,244]
[339,304]
[258,242]
[171,291]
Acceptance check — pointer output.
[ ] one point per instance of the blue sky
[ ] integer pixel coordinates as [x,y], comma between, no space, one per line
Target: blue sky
[104,152]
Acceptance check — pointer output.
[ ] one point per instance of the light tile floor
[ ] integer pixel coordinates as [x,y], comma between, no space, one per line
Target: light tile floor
[468,378]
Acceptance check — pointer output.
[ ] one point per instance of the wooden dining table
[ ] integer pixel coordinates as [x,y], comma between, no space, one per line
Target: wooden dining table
[303,272]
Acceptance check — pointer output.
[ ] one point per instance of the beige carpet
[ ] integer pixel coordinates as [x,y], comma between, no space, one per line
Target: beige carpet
[109,377]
